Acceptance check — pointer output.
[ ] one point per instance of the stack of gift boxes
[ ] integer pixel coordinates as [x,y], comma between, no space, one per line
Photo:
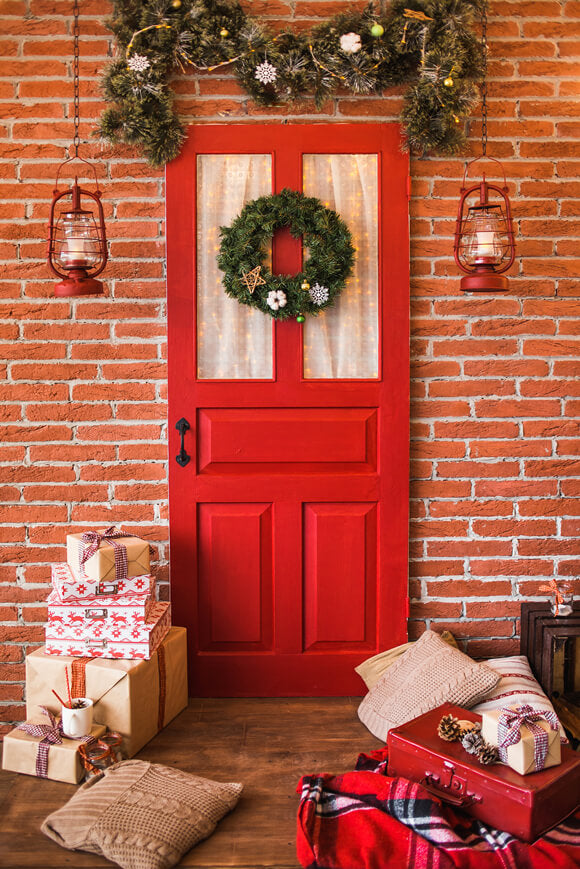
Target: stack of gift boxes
[107,640]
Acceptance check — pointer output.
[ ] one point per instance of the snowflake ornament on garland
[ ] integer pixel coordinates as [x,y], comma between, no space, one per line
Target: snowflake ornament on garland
[318,294]
[266,73]
[138,63]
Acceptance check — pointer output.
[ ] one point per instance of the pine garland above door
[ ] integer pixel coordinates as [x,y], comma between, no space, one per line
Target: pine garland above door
[430,47]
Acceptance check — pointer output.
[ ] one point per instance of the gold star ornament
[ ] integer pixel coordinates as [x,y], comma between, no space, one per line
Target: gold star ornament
[253,279]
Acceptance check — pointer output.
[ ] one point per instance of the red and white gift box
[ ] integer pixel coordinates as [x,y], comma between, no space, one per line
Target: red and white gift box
[123,612]
[103,638]
[71,589]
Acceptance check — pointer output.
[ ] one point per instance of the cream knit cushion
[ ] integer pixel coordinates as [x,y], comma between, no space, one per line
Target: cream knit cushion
[429,673]
[373,668]
[141,815]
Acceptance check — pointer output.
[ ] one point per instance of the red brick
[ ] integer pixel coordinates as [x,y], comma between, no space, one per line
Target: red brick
[494,449]
[553,468]
[513,527]
[437,568]
[511,567]
[517,408]
[478,469]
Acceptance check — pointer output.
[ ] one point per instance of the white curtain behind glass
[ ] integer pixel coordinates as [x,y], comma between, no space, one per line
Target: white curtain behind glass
[233,340]
[343,342]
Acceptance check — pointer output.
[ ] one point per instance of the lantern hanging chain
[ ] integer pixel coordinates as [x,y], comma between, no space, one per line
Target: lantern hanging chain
[76,76]
[484,84]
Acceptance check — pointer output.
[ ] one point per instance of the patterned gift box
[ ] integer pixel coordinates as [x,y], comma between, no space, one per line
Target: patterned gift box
[135,698]
[107,555]
[71,589]
[115,612]
[528,739]
[44,751]
[105,639]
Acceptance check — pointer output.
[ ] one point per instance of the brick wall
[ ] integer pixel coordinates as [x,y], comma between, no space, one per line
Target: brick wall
[495,473]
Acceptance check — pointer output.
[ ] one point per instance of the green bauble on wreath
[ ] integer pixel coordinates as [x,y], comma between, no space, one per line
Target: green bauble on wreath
[325,272]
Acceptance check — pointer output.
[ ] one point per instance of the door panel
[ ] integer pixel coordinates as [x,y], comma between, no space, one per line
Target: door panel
[235,576]
[289,526]
[340,542]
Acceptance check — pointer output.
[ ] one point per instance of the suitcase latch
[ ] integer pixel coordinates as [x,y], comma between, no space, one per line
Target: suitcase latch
[451,781]
[450,787]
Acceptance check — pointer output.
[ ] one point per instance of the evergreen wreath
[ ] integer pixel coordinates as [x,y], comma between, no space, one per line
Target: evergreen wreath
[244,246]
[428,44]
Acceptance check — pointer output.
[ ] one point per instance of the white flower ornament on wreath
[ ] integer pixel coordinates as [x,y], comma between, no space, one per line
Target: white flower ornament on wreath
[350,43]
[276,299]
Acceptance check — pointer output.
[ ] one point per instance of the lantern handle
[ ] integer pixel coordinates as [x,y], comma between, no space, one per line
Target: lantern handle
[82,159]
[484,157]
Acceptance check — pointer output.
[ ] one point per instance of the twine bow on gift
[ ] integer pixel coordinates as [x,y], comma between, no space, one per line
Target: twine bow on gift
[509,723]
[51,735]
[91,540]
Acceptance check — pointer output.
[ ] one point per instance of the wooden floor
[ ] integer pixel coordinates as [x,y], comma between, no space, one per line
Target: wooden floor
[265,743]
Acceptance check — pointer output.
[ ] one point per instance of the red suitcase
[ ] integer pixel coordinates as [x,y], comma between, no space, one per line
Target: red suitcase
[523,805]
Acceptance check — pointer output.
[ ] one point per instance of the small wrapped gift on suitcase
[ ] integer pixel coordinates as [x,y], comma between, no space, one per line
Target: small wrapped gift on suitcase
[69,589]
[525,806]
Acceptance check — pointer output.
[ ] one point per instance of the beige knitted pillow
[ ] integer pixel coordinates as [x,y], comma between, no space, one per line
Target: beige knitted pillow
[429,673]
[141,815]
[373,668]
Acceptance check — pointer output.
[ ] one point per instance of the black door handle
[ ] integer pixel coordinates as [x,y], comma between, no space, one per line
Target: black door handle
[182,458]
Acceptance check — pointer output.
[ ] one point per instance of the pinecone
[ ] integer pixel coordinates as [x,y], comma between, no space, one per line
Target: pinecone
[472,741]
[449,728]
[488,754]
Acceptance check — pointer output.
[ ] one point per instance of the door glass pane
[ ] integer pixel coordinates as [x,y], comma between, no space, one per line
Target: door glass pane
[233,340]
[343,342]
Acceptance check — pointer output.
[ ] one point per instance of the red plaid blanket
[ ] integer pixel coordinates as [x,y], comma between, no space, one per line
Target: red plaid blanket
[367,820]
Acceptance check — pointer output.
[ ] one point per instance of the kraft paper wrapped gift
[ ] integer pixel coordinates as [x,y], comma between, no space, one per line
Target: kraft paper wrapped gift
[521,756]
[64,762]
[101,565]
[135,698]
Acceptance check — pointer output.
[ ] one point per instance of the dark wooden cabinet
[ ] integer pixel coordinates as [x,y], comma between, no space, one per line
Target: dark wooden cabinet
[552,646]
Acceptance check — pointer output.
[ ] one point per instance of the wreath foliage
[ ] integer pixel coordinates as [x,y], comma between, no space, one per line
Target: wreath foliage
[427,44]
[243,250]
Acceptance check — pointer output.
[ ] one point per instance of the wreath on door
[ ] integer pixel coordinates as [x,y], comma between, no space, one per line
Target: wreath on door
[243,252]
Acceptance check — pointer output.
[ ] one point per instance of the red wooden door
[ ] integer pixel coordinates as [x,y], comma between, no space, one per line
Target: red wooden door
[289,525]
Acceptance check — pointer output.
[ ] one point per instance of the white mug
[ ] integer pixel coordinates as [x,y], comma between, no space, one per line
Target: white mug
[78,721]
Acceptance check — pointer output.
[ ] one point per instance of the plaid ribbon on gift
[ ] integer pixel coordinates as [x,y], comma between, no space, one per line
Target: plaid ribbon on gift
[91,540]
[508,732]
[51,734]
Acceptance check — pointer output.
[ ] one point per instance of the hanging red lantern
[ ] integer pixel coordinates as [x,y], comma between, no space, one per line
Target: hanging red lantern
[484,238]
[77,242]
